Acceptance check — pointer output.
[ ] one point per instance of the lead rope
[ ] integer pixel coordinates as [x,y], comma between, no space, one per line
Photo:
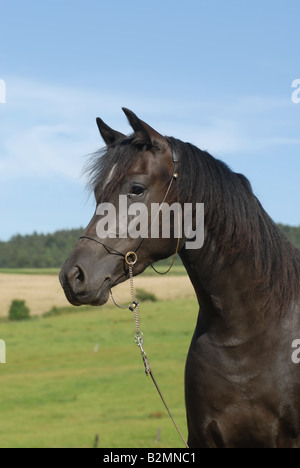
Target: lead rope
[134,308]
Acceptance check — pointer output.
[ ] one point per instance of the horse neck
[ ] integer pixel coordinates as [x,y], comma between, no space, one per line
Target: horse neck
[229,294]
[246,269]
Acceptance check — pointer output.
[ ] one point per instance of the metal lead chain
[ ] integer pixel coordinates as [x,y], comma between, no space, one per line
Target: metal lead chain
[130,259]
[139,341]
[135,309]
[134,305]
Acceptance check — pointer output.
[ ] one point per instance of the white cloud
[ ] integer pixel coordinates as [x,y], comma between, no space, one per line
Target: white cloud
[41,150]
[48,129]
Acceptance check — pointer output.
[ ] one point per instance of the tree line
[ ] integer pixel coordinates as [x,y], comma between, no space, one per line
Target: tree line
[38,250]
[51,250]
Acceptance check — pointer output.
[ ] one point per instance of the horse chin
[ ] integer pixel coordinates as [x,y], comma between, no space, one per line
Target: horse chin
[95,297]
[102,295]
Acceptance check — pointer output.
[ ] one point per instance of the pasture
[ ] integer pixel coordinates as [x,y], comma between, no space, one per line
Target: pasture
[71,377]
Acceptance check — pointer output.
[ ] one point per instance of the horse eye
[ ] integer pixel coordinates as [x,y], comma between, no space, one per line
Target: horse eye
[137,190]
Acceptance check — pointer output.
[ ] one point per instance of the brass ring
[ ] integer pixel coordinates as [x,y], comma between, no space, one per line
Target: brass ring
[131,254]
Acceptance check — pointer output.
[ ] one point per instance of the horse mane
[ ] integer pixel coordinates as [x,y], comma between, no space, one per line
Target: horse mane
[234,217]
[237,222]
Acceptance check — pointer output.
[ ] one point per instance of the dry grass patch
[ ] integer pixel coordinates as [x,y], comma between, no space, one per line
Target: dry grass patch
[41,292]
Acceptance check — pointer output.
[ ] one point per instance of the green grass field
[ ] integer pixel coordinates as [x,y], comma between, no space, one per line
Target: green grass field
[176,270]
[72,376]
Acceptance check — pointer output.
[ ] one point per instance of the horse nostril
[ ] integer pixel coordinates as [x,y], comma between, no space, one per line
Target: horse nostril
[76,278]
[80,275]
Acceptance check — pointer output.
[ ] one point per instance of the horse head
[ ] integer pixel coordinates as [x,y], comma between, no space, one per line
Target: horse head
[134,174]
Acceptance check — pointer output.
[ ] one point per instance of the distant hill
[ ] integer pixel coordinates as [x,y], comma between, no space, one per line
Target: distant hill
[51,250]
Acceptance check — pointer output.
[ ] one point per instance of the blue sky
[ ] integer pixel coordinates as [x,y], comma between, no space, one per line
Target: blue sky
[217,73]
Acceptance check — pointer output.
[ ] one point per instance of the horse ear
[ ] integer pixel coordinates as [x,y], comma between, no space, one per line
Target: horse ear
[109,135]
[144,132]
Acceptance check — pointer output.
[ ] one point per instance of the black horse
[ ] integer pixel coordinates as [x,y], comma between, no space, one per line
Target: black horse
[242,387]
